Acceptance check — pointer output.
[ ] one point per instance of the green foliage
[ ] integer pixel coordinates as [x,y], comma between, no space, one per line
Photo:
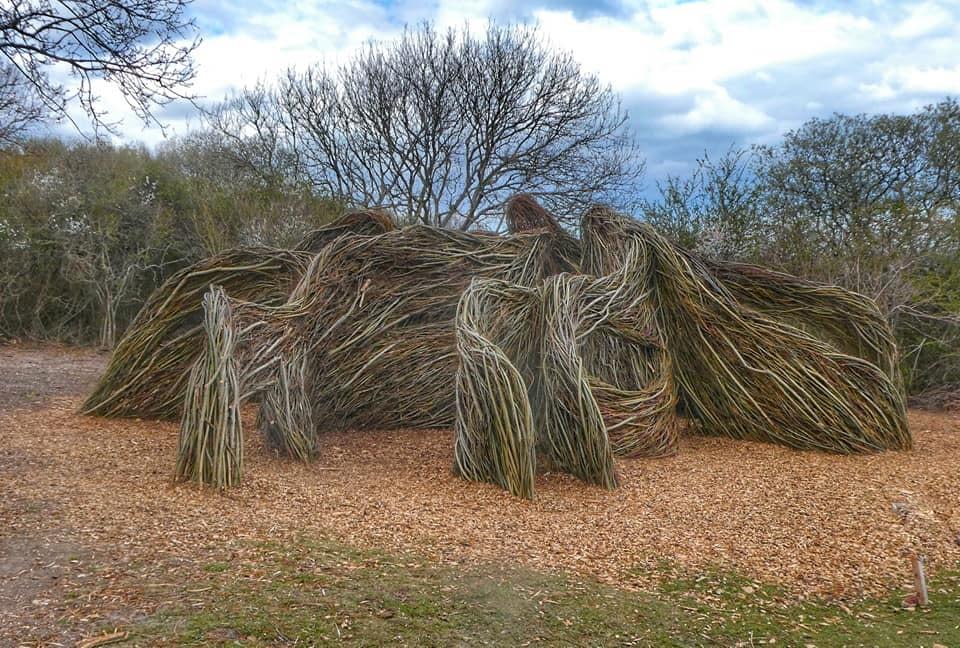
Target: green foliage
[869,203]
[229,203]
[929,328]
[87,231]
[717,209]
[77,233]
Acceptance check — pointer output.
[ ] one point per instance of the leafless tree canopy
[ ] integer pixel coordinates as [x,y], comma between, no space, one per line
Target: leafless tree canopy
[143,47]
[443,127]
[19,106]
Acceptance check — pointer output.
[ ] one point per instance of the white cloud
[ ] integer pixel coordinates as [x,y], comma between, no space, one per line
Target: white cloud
[706,70]
[715,108]
[915,79]
[922,19]
[678,47]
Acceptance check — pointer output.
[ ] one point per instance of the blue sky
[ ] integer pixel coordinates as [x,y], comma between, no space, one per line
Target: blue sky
[694,75]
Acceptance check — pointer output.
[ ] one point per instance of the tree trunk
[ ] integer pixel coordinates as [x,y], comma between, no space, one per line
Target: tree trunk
[108,322]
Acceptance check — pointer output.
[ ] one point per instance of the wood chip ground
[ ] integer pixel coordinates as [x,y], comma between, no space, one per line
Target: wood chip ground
[815,524]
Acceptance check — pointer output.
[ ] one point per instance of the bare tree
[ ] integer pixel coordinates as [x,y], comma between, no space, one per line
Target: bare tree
[111,285]
[143,47]
[444,127]
[19,107]
[716,210]
[252,132]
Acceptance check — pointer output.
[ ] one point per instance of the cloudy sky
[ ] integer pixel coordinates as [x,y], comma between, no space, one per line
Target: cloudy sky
[695,75]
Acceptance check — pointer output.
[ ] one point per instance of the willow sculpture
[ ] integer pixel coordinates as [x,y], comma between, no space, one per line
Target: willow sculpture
[147,372]
[537,347]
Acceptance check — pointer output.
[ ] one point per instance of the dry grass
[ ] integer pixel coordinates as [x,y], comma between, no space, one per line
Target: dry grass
[811,522]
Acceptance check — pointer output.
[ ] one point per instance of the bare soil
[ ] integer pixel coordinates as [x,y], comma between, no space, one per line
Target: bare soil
[89,515]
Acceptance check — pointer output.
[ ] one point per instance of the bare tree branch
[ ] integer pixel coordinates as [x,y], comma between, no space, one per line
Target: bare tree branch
[142,47]
[444,127]
[20,108]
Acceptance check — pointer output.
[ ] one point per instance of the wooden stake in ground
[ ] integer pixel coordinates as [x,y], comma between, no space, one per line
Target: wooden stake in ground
[920,581]
[103,640]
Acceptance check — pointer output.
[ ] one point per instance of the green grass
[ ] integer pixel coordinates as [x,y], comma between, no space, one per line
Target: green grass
[320,592]
[217,567]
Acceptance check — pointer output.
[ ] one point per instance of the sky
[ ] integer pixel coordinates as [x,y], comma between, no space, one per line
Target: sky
[694,75]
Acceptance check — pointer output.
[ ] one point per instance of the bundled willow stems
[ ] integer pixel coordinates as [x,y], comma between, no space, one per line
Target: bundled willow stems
[211,439]
[537,347]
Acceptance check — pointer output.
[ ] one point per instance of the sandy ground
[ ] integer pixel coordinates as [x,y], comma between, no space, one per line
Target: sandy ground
[81,492]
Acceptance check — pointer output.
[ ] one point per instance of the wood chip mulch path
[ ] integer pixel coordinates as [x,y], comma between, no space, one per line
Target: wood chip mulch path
[812,523]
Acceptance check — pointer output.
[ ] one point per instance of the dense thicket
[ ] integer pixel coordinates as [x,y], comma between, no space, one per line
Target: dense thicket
[870,203]
[88,231]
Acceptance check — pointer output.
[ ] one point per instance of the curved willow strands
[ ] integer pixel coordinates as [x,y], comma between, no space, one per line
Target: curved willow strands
[848,320]
[494,430]
[210,446]
[534,345]
[378,314]
[520,360]
[286,416]
[573,432]
[743,373]
[148,370]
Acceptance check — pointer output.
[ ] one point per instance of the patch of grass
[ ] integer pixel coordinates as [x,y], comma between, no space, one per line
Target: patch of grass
[216,567]
[316,592]
[740,611]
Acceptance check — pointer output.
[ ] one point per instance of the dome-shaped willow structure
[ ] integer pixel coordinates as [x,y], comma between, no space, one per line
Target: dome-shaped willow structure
[535,346]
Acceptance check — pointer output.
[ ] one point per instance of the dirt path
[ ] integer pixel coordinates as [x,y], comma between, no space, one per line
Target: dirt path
[31,375]
[36,555]
[89,517]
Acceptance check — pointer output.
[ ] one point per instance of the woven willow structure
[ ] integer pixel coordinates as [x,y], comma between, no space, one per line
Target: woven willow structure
[211,441]
[375,316]
[538,348]
[147,373]
[751,373]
